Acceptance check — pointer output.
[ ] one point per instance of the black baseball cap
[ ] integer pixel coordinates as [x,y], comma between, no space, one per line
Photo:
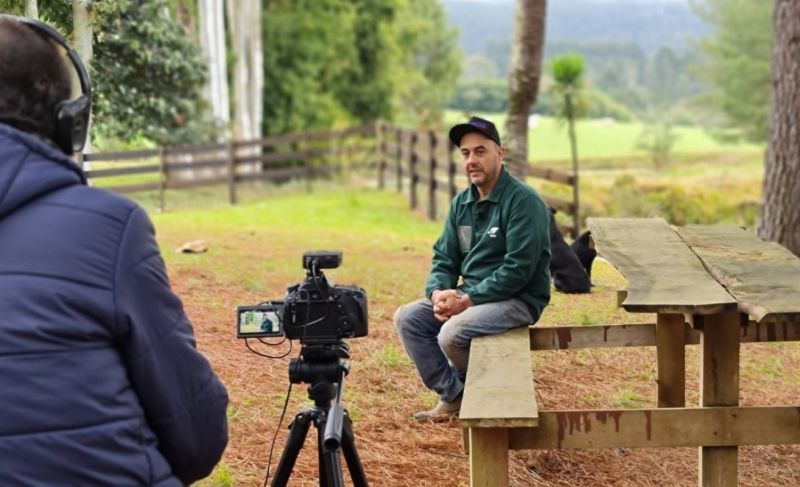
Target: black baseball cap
[475,124]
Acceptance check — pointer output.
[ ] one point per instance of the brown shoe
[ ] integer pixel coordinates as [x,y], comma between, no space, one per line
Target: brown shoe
[443,411]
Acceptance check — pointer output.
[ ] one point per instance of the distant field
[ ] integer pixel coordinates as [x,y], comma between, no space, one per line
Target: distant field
[605,139]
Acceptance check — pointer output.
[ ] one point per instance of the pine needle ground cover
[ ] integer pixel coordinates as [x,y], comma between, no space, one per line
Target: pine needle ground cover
[255,252]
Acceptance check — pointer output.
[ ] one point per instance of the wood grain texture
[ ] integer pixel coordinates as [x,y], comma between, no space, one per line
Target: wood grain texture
[719,383]
[499,387]
[488,457]
[671,360]
[664,275]
[764,277]
[662,427]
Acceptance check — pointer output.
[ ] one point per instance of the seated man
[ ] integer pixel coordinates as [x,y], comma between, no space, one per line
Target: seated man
[496,241]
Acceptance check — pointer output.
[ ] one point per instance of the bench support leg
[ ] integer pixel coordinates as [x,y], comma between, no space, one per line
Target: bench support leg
[671,353]
[719,376]
[488,457]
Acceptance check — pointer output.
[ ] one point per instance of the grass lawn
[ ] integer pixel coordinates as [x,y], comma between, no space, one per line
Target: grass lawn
[254,253]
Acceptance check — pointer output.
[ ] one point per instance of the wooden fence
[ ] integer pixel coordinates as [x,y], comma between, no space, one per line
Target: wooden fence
[306,155]
[421,162]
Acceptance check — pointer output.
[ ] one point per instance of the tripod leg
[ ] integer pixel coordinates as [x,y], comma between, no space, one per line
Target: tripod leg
[330,467]
[351,454]
[294,442]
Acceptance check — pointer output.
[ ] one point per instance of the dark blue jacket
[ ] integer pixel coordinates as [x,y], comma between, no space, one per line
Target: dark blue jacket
[100,380]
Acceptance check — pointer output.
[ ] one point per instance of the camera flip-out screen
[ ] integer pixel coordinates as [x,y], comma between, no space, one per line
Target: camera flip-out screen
[259,321]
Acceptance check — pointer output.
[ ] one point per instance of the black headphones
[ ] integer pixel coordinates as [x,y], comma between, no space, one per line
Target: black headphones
[72,116]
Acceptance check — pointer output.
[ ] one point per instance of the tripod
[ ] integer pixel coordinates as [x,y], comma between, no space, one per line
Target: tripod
[334,427]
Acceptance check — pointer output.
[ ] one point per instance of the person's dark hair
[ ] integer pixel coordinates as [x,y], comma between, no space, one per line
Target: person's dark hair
[34,78]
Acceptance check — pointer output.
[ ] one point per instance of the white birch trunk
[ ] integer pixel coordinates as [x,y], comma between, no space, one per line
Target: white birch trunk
[31,9]
[212,40]
[256,69]
[244,18]
[82,33]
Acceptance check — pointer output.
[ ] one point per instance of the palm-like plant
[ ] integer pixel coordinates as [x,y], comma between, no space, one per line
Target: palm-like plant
[570,104]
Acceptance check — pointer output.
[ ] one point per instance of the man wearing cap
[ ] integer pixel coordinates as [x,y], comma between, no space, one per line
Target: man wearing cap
[490,270]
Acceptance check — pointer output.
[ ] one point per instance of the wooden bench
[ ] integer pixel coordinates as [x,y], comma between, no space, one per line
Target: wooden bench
[498,396]
[703,283]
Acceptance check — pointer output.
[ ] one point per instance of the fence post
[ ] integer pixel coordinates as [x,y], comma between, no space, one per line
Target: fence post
[412,170]
[380,151]
[451,170]
[399,158]
[432,176]
[162,176]
[295,147]
[232,172]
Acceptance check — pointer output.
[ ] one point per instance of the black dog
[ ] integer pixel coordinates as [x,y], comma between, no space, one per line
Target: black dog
[570,274]
[583,247]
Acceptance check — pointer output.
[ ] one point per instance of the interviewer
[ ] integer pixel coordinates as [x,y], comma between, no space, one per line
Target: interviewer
[100,380]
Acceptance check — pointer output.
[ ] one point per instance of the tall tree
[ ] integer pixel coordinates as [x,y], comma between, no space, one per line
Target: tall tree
[780,214]
[523,80]
[244,17]
[82,38]
[308,48]
[428,62]
[212,40]
[148,74]
[738,67]
[568,73]
[31,9]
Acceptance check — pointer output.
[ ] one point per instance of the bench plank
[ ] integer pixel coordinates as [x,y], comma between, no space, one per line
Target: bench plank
[764,277]
[659,267]
[499,388]
[644,335]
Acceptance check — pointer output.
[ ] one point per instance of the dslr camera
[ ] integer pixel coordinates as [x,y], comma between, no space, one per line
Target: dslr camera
[314,311]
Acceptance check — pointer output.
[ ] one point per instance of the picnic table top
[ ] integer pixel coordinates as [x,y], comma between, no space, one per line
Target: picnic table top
[764,277]
[700,269]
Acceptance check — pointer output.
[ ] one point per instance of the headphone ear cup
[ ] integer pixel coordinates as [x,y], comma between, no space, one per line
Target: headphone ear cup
[72,124]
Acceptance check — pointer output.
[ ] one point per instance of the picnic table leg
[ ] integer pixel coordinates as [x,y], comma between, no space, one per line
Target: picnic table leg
[671,360]
[488,457]
[719,376]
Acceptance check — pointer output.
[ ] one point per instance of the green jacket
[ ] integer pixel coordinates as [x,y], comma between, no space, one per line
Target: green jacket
[499,247]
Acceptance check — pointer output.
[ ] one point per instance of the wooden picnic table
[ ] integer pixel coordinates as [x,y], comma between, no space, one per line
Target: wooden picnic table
[717,286]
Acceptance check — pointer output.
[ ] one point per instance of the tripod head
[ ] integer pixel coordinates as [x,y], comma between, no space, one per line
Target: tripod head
[320,363]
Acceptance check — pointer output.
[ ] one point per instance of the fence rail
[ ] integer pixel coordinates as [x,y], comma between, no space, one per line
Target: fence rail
[277,158]
[419,162]
[423,157]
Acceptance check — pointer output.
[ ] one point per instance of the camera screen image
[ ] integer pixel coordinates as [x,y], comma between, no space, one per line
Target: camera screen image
[258,321]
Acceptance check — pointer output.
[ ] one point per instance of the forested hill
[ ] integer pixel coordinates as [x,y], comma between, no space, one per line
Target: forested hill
[646,23]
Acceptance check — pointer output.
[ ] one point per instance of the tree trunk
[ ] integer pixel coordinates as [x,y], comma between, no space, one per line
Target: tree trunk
[82,35]
[780,214]
[212,40]
[523,81]
[31,9]
[244,17]
[573,145]
[256,53]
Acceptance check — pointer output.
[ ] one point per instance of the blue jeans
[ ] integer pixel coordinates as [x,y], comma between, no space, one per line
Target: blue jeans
[441,350]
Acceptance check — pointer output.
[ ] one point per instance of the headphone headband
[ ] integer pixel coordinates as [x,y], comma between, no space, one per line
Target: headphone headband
[72,116]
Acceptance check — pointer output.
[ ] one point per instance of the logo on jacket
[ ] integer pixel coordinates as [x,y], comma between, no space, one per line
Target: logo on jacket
[493,232]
